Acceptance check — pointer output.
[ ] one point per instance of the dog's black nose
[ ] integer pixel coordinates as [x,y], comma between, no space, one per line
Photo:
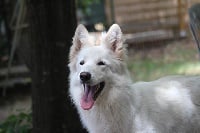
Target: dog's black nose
[85,76]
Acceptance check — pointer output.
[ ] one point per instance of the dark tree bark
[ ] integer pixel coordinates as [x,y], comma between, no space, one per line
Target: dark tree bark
[4,15]
[52,25]
[194,15]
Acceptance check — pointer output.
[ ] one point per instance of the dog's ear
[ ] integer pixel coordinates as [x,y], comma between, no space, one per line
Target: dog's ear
[79,40]
[113,40]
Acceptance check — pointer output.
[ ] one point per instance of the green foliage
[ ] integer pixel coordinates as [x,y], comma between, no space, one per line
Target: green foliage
[84,5]
[20,123]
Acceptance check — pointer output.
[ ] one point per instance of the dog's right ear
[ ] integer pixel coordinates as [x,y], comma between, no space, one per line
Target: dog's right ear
[79,40]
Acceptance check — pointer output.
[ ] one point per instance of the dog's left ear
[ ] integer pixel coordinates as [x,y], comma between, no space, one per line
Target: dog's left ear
[114,41]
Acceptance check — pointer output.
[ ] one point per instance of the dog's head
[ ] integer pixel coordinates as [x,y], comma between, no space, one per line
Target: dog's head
[94,67]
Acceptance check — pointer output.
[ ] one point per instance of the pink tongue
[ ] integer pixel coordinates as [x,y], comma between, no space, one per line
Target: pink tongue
[87,100]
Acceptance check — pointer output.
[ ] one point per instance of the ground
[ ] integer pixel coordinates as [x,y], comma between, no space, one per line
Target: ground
[16,101]
[172,58]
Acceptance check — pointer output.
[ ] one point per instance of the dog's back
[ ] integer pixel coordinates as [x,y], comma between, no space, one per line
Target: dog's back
[170,104]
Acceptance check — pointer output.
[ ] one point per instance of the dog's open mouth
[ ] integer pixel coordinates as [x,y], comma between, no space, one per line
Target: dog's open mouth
[90,94]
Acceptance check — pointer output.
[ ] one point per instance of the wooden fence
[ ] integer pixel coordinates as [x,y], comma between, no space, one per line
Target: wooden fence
[136,16]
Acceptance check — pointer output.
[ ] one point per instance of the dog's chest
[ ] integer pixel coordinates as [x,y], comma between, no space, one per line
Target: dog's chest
[108,120]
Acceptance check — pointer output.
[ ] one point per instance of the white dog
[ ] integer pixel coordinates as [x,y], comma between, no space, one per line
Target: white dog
[108,101]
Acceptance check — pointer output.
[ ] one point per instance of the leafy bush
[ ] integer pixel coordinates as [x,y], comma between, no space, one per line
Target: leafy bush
[20,123]
[84,5]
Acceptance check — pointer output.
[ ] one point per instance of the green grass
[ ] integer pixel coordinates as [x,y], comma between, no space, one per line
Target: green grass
[150,69]
[177,58]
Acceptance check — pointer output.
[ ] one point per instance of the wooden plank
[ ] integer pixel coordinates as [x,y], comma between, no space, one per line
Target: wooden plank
[14,81]
[135,8]
[148,36]
[128,2]
[14,70]
[145,16]
[132,11]
[181,16]
[108,11]
[148,26]
[150,5]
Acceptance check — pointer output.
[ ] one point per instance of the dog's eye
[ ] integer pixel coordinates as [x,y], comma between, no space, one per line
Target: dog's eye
[100,63]
[82,62]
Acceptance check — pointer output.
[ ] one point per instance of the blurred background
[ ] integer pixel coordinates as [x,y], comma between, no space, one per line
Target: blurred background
[157,33]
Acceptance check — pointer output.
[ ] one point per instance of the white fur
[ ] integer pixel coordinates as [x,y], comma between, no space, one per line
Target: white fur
[167,105]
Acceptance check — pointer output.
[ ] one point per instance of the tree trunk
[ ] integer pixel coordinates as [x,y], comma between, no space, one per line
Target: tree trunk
[52,25]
